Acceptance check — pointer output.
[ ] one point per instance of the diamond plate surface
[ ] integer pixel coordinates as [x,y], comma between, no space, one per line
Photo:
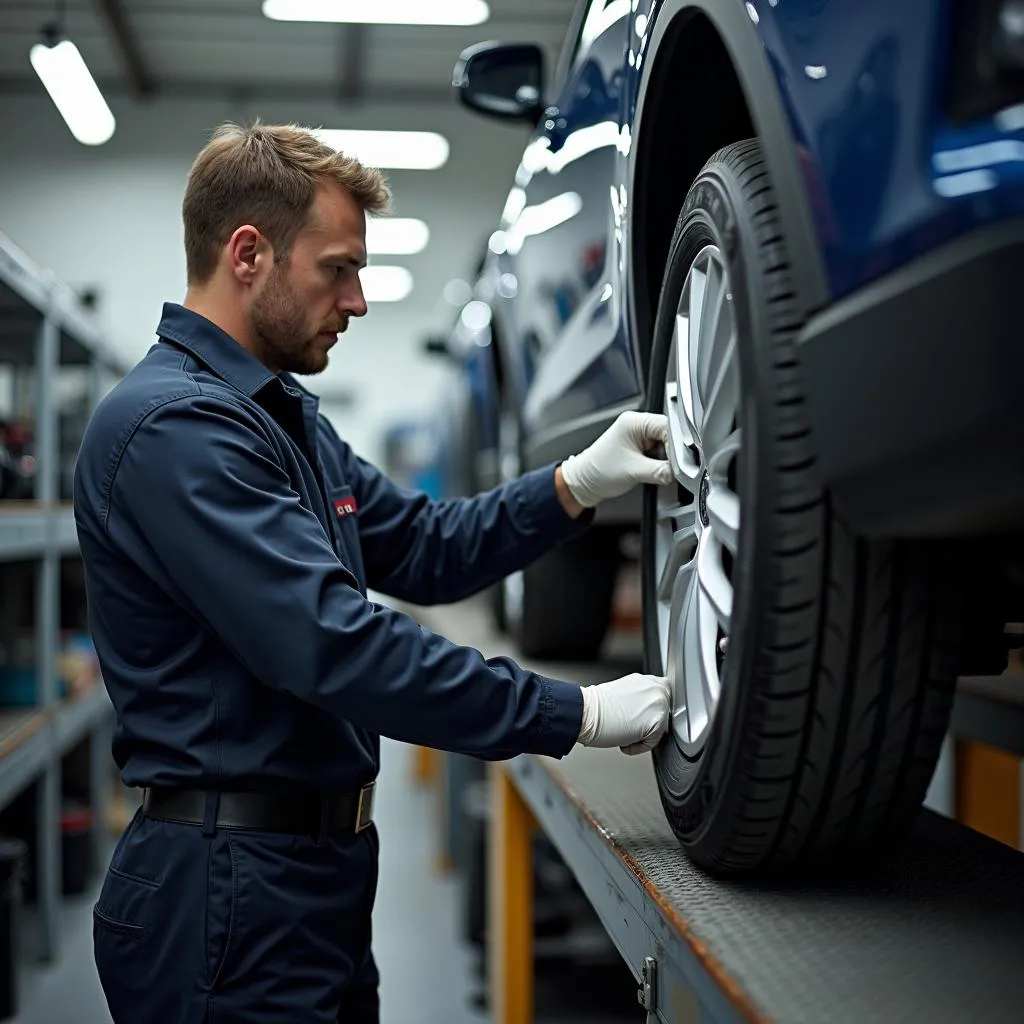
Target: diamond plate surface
[935,934]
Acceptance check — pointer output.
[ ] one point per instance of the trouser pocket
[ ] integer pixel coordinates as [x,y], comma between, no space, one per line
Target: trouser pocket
[222,907]
[150,925]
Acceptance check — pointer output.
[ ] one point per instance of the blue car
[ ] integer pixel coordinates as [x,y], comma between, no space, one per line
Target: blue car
[796,227]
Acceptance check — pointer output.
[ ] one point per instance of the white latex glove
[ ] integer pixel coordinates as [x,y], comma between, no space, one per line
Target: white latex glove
[631,713]
[616,462]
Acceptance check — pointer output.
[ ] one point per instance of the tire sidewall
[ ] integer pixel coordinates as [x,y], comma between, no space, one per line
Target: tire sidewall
[693,789]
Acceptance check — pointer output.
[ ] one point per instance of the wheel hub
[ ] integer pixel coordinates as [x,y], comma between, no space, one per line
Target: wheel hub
[697,528]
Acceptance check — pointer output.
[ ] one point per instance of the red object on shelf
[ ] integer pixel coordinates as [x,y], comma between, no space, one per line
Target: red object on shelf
[76,820]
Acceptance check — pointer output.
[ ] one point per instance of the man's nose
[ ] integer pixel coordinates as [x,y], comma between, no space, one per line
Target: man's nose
[353,302]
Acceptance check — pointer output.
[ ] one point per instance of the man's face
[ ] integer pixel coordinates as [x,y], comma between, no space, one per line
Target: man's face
[308,297]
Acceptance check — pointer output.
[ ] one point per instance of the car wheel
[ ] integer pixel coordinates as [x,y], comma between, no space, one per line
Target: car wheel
[559,608]
[812,670]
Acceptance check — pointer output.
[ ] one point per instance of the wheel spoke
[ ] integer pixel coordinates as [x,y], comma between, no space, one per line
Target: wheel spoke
[675,663]
[695,712]
[717,339]
[722,454]
[686,513]
[685,467]
[680,557]
[686,661]
[684,378]
[724,516]
[703,687]
[724,400]
[698,290]
[714,300]
[711,578]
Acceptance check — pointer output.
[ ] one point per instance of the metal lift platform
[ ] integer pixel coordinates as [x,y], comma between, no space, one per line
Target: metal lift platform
[933,934]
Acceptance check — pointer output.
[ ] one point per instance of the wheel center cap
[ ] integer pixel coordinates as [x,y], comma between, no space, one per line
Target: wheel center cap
[702,498]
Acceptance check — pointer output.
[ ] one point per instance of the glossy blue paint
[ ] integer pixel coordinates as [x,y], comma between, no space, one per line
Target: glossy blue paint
[890,177]
[887,175]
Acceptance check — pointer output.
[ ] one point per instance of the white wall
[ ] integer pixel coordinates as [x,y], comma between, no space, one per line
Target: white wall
[110,218]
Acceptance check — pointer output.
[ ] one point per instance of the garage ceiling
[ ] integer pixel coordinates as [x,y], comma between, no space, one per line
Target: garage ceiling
[211,49]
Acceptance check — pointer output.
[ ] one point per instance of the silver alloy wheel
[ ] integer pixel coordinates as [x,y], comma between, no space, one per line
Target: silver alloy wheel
[699,513]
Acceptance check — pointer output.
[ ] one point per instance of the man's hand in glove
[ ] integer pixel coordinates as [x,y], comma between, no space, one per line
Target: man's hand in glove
[631,713]
[617,461]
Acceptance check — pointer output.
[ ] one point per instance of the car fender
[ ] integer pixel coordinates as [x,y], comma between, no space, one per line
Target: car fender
[762,92]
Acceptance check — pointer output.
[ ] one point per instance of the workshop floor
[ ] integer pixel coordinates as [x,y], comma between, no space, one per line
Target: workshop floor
[427,975]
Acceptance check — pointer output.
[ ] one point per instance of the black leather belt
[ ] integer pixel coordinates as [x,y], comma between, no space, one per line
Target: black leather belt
[295,813]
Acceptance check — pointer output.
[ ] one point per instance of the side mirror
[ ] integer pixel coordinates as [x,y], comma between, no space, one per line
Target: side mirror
[502,80]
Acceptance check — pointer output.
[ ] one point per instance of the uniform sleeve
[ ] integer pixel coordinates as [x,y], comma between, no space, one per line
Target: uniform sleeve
[438,552]
[200,498]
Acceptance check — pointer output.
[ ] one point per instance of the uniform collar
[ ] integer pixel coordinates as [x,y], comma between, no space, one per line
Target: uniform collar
[214,348]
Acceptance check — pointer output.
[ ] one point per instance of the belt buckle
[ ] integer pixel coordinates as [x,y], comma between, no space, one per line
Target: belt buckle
[364,809]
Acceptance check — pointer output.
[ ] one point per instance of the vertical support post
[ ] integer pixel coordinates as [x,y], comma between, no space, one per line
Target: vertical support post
[47,628]
[1020,802]
[47,366]
[100,776]
[424,766]
[48,860]
[98,383]
[510,894]
[443,861]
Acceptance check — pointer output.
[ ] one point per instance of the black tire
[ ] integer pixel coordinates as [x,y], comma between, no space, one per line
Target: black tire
[842,655]
[567,599]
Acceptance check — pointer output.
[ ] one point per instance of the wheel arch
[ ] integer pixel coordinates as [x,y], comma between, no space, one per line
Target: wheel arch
[709,47]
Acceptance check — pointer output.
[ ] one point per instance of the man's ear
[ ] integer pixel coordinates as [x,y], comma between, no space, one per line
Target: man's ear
[248,250]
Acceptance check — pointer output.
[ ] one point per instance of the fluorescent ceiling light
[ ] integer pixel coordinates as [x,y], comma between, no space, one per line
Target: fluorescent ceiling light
[396,236]
[417,151]
[380,12]
[74,92]
[385,284]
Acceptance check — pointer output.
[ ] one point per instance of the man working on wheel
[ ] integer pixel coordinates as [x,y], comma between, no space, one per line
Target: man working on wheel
[228,537]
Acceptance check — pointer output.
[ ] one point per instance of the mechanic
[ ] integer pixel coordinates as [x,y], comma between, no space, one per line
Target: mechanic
[228,537]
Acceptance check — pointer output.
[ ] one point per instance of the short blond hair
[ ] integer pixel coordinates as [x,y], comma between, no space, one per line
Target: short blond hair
[265,175]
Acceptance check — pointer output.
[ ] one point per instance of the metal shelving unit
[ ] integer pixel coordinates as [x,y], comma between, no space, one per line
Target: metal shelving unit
[42,330]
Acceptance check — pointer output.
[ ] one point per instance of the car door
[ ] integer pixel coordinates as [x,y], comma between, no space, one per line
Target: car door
[559,234]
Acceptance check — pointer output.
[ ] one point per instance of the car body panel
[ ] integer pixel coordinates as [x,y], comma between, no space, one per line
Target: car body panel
[850,100]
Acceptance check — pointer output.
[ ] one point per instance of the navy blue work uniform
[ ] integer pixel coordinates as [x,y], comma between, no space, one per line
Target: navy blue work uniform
[228,537]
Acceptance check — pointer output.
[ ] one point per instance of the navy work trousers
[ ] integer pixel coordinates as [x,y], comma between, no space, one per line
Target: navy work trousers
[237,927]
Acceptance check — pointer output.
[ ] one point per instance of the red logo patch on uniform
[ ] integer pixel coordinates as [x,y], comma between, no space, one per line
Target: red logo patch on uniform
[345,507]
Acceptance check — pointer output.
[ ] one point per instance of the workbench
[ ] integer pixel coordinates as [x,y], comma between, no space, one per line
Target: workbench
[933,934]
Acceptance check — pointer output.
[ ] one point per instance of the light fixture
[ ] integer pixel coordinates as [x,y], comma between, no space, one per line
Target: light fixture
[385,284]
[74,92]
[396,236]
[380,12]
[417,151]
